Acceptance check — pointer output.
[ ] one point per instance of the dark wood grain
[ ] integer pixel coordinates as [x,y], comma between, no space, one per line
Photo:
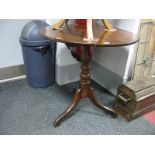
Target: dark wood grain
[73,34]
[84,90]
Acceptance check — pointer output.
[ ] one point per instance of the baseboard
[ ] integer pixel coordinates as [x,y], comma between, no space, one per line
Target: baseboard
[101,75]
[105,77]
[12,73]
[67,74]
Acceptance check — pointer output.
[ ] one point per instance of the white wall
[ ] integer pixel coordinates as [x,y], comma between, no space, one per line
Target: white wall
[63,54]
[118,59]
[52,21]
[11,54]
[10,49]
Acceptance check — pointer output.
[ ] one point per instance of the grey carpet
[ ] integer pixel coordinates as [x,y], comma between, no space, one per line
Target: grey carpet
[25,110]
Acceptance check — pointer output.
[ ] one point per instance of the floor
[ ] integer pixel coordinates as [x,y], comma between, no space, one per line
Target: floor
[29,111]
[150,117]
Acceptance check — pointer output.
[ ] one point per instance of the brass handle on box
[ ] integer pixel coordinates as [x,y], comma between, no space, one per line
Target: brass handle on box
[123,98]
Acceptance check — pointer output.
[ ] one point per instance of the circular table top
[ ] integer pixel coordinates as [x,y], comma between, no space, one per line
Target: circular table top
[73,34]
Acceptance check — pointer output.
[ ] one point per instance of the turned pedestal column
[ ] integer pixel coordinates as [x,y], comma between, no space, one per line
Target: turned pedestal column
[84,90]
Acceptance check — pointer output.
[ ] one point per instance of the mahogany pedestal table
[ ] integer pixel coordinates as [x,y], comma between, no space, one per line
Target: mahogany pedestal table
[73,36]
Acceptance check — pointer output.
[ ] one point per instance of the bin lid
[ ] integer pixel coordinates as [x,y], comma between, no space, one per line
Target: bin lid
[31,35]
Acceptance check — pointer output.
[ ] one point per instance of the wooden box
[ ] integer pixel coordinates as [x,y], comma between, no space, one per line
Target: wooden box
[135,98]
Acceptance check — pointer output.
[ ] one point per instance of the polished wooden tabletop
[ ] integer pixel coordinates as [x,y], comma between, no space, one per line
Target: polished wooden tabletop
[73,34]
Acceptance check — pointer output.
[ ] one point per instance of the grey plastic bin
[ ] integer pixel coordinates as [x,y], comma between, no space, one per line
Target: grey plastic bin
[38,54]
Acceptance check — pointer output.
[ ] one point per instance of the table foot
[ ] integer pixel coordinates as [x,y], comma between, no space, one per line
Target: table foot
[71,107]
[93,98]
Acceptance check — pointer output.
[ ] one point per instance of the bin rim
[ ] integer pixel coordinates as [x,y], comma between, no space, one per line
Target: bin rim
[26,42]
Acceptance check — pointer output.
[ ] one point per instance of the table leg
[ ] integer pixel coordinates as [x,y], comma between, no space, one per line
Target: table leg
[70,108]
[96,102]
[85,90]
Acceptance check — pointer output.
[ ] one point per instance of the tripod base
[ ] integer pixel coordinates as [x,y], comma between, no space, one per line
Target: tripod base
[85,90]
[81,93]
